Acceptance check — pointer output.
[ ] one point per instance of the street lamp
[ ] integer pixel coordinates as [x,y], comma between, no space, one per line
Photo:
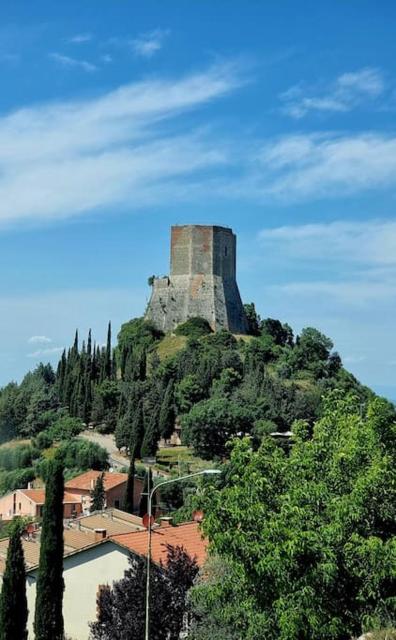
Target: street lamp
[205,472]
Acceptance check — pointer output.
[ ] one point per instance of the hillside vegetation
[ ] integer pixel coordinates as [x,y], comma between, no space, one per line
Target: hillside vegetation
[218,385]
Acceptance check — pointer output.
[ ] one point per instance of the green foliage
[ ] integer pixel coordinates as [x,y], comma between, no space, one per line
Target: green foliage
[98,494]
[253,318]
[211,423]
[13,602]
[48,621]
[308,537]
[193,328]
[16,479]
[130,488]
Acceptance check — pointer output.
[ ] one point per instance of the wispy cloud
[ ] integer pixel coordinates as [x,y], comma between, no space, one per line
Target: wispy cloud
[371,243]
[348,91]
[148,44]
[50,351]
[39,340]
[81,38]
[325,165]
[69,63]
[63,159]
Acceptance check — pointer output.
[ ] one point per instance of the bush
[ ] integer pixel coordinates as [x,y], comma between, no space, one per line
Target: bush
[194,328]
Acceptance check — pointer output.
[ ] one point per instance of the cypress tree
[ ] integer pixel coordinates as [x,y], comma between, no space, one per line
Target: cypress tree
[147,487]
[108,354]
[98,494]
[166,421]
[13,602]
[137,432]
[48,621]
[130,488]
[150,439]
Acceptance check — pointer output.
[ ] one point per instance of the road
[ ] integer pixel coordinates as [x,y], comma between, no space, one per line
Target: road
[106,440]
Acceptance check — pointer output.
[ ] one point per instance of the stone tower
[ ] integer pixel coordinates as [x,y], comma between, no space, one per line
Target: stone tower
[202,281]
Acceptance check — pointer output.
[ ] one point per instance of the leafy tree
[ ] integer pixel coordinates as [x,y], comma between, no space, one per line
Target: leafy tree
[282,334]
[13,602]
[211,423]
[121,610]
[98,494]
[188,392]
[308,536]
[48,621]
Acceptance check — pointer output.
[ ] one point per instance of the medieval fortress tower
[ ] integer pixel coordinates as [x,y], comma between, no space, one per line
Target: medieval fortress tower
[202,281]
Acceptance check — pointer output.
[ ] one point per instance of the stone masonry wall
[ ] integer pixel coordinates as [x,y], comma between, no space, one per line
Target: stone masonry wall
[202,281]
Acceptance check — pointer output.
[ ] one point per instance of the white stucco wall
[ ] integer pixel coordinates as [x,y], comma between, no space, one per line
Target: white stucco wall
[83,573]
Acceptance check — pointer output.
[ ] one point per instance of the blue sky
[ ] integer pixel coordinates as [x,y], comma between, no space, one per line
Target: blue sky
[118,119]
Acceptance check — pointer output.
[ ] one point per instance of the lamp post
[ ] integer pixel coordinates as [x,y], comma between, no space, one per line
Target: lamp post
[206,472]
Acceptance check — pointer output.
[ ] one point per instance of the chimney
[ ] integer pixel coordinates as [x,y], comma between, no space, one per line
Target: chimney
[92,484]
[100,534]
[30,485]
[165,522]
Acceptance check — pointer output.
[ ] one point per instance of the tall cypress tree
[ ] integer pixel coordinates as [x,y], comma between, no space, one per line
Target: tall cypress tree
[13,603]
[147,487]
[130,488]
[98,494]
[150,439]
[166,421]
[48,621]
[108,354]
[137,432]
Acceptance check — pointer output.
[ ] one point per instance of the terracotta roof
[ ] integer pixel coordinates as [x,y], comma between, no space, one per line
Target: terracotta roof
[85,480]
[31,551]
[76,539]
[186,535]
[103,521]
[38,496]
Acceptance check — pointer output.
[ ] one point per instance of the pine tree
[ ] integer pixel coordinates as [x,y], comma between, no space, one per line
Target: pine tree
[166,421]
[13,602]
[48,621]
[98,494]
[130,488]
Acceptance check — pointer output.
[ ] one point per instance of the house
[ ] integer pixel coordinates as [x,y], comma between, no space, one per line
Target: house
[114,485]
[186,535]
[29,503]
[93,558]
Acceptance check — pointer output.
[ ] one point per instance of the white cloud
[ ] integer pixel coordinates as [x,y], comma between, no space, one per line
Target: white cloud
[62,159]
[69,63]
[39,340]
[347,92]
[148,44]
[370,243]
[81,38]
[325,165]
[45,352]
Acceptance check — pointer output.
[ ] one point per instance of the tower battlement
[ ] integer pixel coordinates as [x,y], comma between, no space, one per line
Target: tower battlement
[202,281]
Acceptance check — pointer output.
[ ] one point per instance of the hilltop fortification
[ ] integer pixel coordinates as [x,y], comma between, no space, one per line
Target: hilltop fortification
[202,281]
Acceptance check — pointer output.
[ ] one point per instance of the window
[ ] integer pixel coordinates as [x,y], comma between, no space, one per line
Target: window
[19,506]
[225,251]
[116,504]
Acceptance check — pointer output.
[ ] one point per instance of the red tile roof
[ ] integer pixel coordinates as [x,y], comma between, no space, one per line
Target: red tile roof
[87,479]
[38,496]
[186,535]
